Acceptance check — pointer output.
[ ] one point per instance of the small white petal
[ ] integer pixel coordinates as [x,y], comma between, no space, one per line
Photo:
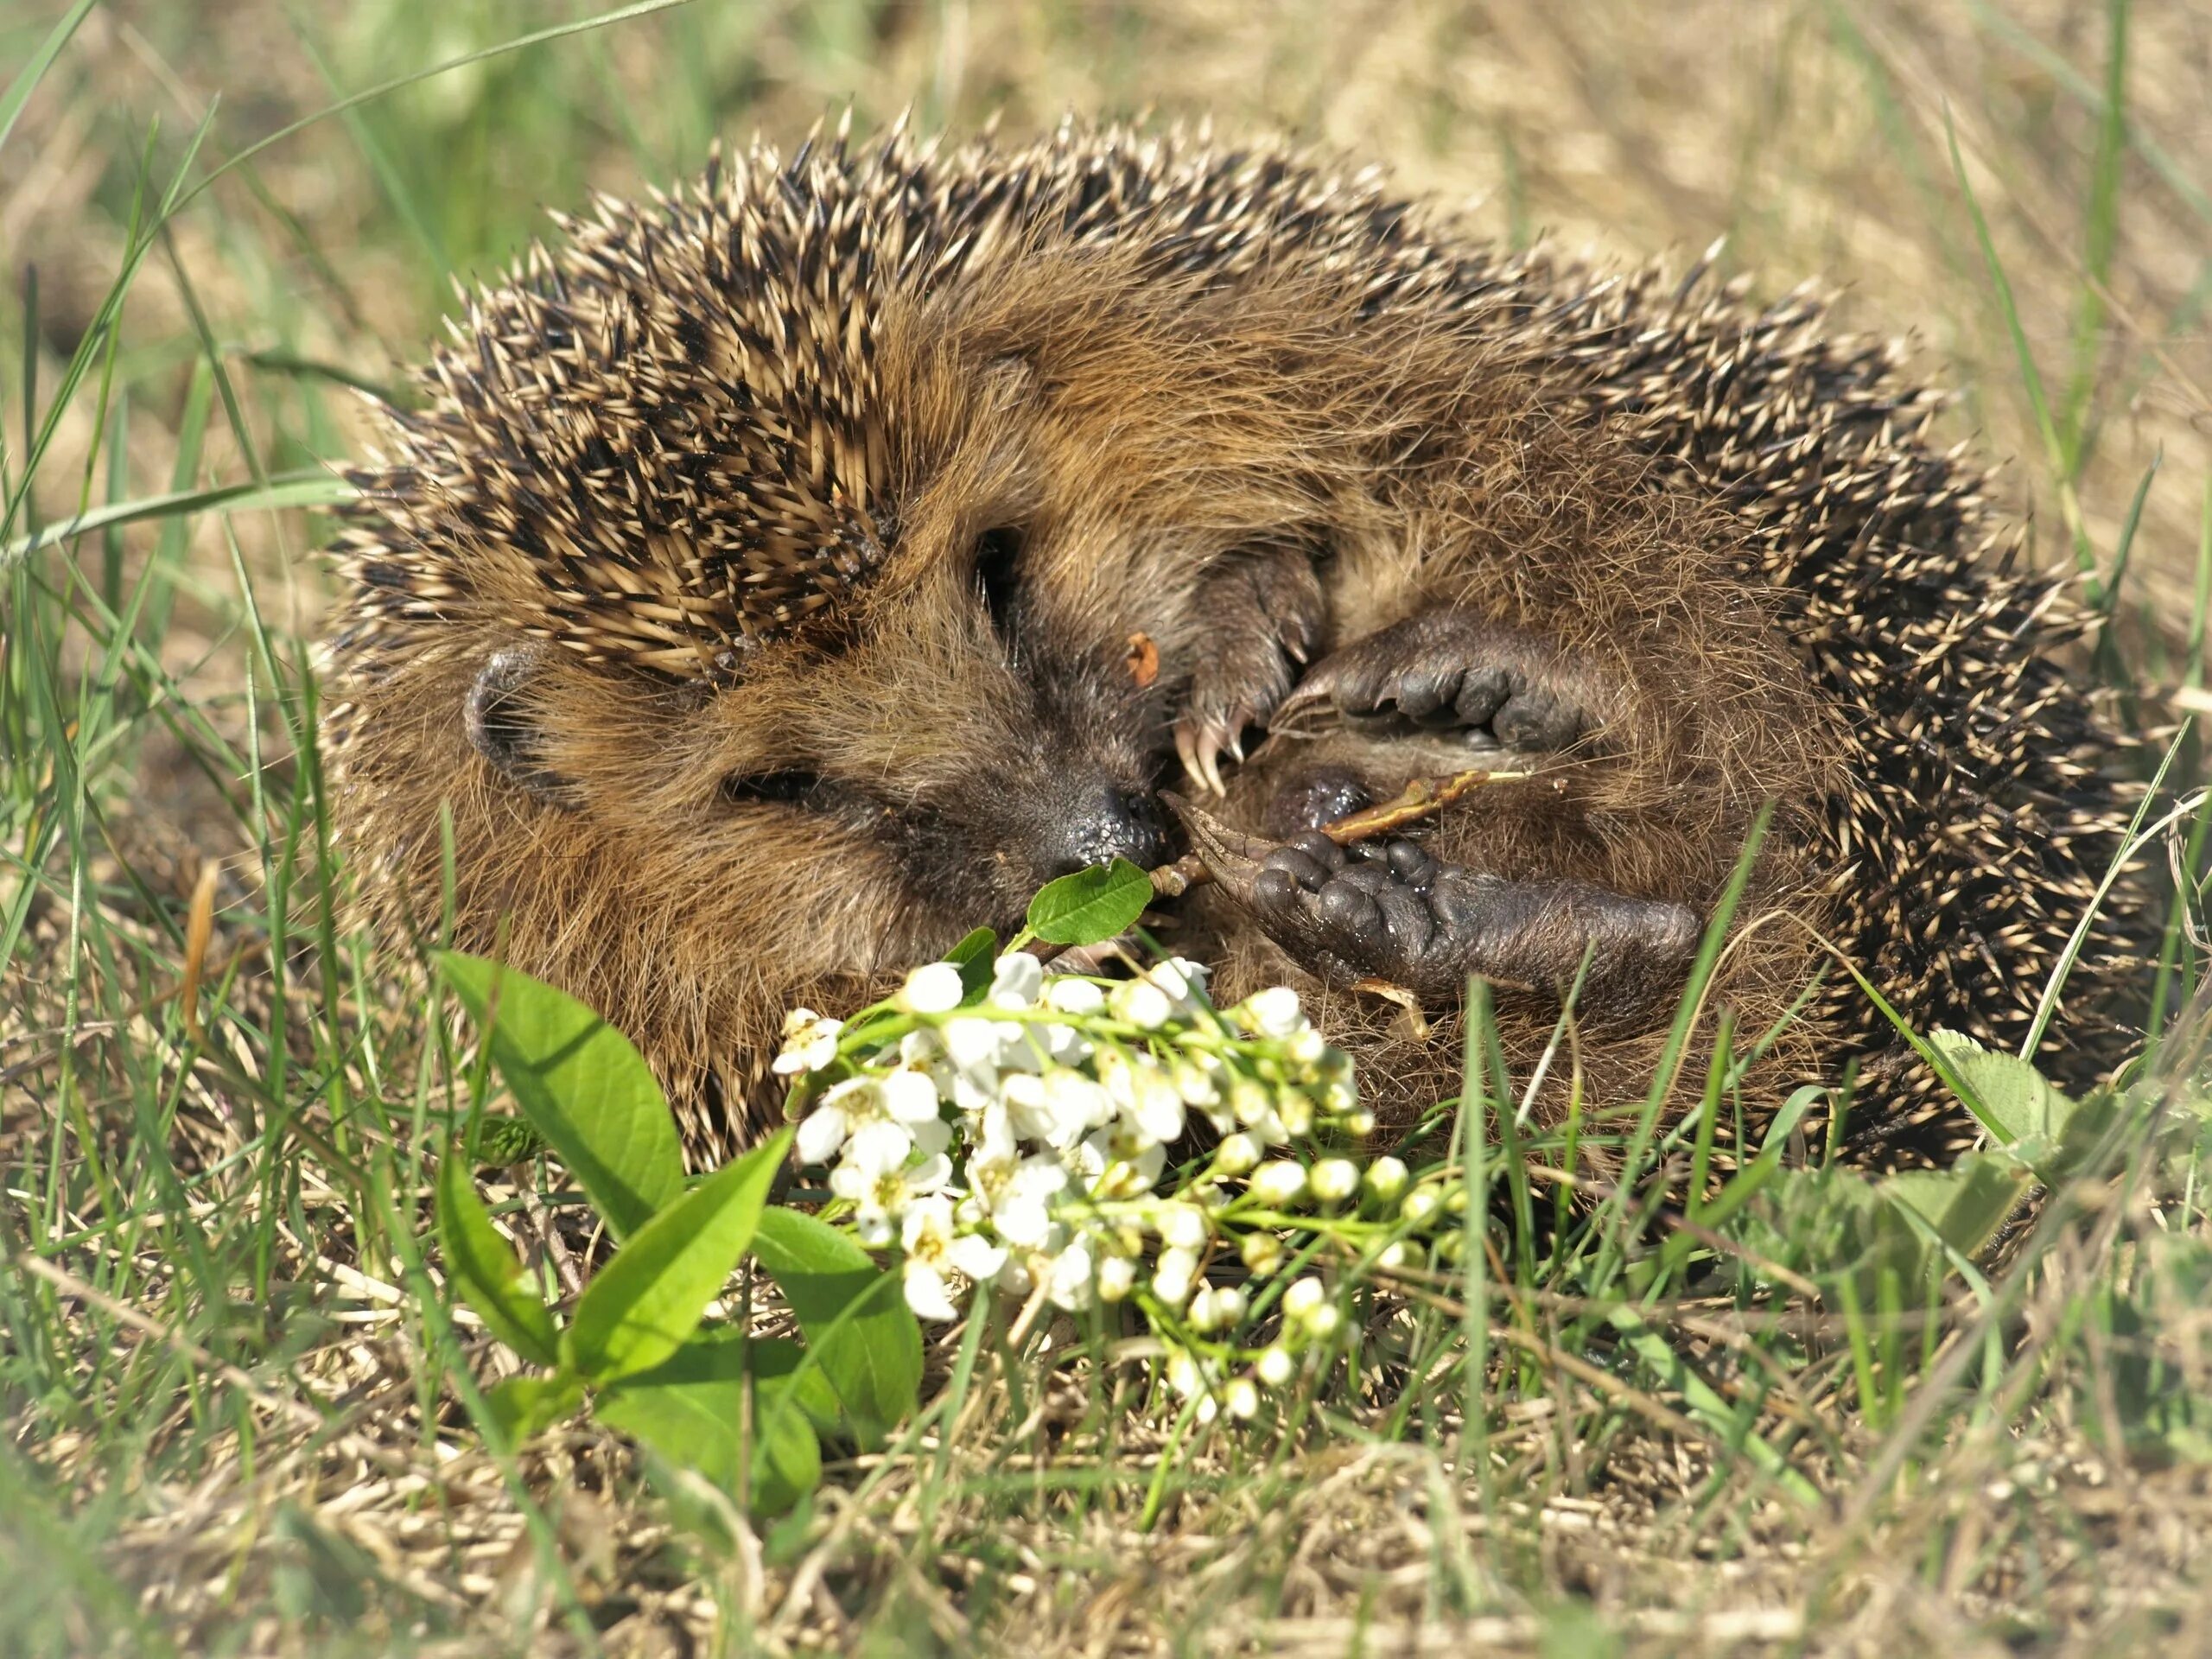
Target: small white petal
[1070,1285]
[1023,1221]
[934,988]
[1118,1275]
[975,1255]
[909,1096]
[975,1044]
[1016,979]
[821,1132]
[925,1292]
[879,1147]
[1070,995]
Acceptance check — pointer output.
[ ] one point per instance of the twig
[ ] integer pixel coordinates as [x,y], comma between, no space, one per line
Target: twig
[1423,797]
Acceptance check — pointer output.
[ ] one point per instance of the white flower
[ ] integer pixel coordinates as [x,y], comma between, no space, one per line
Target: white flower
[1181,1225]
[1275,1367]
[1237,1153]
[1386,1176]
[933,1249]
[1172,1275]
[1067,994]
[933,988]
[880,1199]
[1183,981]
[1216,1307]
[1242,1399]
[1142,1003]
[1303,1297]
[1275,1012]
[979,1046]
[1334,1179]
[874,1118]
[1149,1101]
[1016,978]
[1018,1195]
[810,1042]
[1278,1183]
[1118,1276]
[1068,1285]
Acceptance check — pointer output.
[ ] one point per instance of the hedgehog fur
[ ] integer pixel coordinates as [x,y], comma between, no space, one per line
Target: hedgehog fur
[753,595]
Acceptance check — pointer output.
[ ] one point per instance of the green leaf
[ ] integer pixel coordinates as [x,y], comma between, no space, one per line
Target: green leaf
[530,1405]
[580,1085]
[642,1305]
[2024,1107]
[485,1268]
[724,1353]
[975,956]
[1091,905]
[1966,1204]
[699,1426]
[863,1337]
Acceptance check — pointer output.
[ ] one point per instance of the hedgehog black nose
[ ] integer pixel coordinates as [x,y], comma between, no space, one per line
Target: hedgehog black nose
[1109,822]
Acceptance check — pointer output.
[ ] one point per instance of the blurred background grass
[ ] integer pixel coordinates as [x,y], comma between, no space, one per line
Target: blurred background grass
[1809,133]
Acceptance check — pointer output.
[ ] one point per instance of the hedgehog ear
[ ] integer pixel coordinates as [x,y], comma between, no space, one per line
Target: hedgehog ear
[501,727]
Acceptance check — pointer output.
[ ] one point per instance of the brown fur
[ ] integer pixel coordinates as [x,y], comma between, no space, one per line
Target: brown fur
[724,468]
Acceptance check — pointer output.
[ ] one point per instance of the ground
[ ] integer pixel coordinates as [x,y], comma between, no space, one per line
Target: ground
[233,1383]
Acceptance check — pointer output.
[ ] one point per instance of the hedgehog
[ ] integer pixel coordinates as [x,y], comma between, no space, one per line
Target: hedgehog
[793,571]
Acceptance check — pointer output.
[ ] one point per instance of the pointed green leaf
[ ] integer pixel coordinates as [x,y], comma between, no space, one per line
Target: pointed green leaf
[2024,1107]
[974,956]
[861,1334]
[1091,905]
[699,1426]
[486,1271]
[1966,1204]
[645,1302]
[580,1085]
[527,1406]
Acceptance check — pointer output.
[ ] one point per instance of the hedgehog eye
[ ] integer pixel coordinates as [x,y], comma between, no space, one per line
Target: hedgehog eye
[770,788]
[997,552]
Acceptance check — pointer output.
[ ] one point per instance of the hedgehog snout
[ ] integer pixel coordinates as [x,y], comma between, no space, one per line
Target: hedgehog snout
[1104,822]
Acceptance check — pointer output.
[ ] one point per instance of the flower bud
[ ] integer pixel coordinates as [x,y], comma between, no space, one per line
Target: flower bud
[1303,1297]
[1386,1176]
[1067,994]
[1296,1112]
[1279,1183]
[1275,1012]
[1275,1367]
[1421,1204]
[1183,1225]
[1117,1275]
[1173,1275]
[1242,1399]
[1360,1123]
[1334,1180]
[1263,1253]
[934,988]
[1237,1153]
[1142,1003]
[1321,1324]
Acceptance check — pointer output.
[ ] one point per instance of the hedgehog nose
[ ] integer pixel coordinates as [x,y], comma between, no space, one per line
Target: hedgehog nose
[1109,823]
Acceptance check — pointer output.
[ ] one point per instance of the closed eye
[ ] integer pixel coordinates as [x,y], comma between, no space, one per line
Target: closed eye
[997,552]
[772,788]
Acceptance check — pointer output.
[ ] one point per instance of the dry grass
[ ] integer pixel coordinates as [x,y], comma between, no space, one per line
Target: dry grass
[227,1376]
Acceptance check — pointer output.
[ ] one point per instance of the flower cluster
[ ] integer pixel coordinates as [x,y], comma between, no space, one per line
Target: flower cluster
[1019,1131]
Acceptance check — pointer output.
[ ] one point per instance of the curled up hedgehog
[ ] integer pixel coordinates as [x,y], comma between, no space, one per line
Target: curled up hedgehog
[788,576]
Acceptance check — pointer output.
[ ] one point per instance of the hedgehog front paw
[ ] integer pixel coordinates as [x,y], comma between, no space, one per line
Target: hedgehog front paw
[1447,671]
[1264,612]
[1390,911]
